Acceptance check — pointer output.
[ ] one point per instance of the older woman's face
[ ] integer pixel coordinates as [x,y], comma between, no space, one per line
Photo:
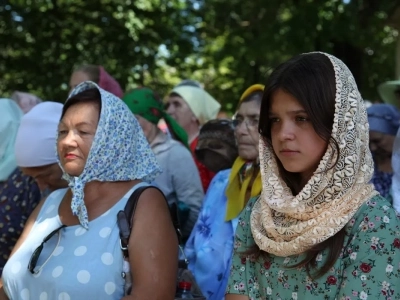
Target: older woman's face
[180,111]
[75,136]
[246,129]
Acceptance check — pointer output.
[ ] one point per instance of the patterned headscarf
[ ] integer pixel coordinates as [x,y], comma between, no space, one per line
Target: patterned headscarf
[120,151]
[283,224]
[143,102]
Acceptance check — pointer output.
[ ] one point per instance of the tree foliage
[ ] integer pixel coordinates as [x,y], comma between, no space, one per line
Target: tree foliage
[226,45]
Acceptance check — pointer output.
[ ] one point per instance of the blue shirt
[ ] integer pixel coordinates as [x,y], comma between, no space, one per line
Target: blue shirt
[210,245]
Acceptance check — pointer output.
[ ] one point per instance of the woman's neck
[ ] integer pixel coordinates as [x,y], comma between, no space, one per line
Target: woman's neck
[153,134]
[192,131]
[96,190]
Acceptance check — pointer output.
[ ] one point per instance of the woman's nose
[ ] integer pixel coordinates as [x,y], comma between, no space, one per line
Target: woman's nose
[286,131]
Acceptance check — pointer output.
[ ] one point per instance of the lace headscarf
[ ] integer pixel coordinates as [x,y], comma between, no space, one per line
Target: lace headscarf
[120,151]
[283,224]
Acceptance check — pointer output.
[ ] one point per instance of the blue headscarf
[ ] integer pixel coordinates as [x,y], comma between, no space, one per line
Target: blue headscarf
[120,151]
[10,117]
[384,118]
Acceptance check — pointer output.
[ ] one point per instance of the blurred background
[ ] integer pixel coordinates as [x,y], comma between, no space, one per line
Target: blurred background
[224,44]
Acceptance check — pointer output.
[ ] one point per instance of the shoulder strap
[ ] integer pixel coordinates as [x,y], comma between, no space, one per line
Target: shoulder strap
[125,218]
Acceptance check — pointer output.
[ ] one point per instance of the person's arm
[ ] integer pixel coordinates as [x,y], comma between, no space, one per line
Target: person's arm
[187,184]
[3,295]
[153,249]
[372,257]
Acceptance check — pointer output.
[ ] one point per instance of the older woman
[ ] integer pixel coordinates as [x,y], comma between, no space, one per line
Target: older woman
[191,107]
[209,248]
[180,181]
[384,121]
[105,157]
[18,193]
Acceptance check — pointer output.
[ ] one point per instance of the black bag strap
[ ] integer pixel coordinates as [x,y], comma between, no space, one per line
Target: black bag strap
[125,218]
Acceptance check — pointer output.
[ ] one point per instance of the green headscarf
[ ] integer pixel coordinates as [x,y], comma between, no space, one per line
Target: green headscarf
[144,102]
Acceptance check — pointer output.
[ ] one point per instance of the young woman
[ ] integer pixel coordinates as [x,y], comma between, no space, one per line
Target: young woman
[319,230]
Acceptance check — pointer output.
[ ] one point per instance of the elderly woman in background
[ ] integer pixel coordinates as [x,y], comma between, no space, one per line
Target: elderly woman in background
[179,181]
[210,245]
[18,193]
[98,75]
[384,122]
[34,146]
[191,107]
[105,157]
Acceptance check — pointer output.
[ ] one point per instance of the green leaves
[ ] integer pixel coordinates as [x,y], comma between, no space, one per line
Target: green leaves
[226,45]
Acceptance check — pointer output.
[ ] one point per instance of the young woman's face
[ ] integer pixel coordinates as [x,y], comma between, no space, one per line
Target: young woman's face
[76,132]
[295,143]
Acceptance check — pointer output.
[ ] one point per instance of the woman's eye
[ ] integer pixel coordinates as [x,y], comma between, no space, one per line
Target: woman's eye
[62,132]
[83,132]
[273,120]
[301,119]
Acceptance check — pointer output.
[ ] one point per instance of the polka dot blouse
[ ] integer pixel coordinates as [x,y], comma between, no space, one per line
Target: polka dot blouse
[75,263]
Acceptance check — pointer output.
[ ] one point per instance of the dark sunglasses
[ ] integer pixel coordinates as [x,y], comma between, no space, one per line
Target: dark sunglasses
[35,255]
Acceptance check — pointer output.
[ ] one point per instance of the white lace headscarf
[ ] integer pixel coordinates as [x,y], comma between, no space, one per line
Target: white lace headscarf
[283,224]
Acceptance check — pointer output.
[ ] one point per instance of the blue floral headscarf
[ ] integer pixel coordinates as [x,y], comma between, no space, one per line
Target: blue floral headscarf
[120,151]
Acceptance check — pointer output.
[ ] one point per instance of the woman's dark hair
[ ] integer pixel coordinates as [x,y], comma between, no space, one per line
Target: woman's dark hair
[310,78]
[92,70]
[87,96]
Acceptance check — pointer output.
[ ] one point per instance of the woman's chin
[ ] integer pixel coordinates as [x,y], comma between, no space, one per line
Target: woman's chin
[73,172]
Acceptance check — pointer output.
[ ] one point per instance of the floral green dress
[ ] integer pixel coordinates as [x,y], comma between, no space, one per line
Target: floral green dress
[368,268]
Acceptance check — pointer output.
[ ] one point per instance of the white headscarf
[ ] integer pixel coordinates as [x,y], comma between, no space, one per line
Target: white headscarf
[202,104]
[10,116]
[34,146]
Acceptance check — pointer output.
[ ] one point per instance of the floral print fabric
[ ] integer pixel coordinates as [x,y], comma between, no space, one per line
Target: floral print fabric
[120,151]
[19,195]
[368,268]
[209,247]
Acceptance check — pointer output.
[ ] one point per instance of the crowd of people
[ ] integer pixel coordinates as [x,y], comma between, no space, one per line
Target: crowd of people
[294,197]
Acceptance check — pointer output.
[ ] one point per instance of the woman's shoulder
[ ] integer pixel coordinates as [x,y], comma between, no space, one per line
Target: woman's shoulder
[53,199]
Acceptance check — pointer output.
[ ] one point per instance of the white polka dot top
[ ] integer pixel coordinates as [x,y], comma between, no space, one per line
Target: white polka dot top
[75,263]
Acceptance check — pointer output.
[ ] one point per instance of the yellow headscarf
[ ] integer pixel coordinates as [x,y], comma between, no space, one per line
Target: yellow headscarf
[236,191]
